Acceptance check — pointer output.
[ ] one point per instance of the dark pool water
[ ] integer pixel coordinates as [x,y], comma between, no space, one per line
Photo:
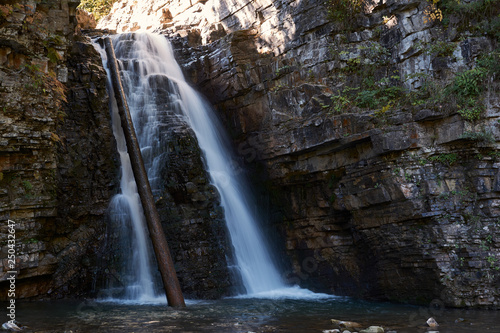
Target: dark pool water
[245,315]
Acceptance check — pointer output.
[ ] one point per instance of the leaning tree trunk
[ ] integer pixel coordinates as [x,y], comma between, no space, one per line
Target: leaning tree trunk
[165,263]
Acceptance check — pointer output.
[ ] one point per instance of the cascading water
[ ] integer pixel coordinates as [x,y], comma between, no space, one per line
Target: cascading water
[147,60]
[127,216]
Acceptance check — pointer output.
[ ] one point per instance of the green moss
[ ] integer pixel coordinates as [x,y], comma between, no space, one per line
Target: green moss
[53,55]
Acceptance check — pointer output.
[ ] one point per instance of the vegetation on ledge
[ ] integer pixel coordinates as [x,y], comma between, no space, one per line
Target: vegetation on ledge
[99,8]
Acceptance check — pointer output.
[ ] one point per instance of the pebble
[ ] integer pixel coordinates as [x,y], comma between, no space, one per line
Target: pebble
[343,324]
[11,326]
[432,322]
[373,329]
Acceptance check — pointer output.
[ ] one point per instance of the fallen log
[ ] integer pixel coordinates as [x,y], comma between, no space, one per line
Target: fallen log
[160,246]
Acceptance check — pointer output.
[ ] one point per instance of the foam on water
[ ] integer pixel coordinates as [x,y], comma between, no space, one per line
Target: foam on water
[294,292]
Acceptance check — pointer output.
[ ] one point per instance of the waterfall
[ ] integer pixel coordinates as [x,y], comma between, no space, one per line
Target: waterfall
[147,60]
[128,218]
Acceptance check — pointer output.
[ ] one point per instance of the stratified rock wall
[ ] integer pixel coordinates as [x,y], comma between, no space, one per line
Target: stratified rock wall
[191,215]
[58,167]
[376,199]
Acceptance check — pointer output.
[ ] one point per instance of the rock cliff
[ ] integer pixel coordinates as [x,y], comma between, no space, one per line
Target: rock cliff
[58,166]
[373,128]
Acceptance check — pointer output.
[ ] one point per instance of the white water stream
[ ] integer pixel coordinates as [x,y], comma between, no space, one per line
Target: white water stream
[147,60]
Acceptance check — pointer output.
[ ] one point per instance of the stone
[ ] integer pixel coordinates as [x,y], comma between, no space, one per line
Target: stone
[85,20]
[373,329]
[431,322]
[342,324]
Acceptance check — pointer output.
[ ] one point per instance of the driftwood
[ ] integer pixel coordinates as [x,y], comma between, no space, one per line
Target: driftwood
[163,257]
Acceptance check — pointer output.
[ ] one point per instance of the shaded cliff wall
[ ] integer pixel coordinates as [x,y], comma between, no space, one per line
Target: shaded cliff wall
[58,167]
[380,160]
[192,217]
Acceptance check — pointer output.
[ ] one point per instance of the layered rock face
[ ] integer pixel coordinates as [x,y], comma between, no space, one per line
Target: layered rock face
[379,159]
[192,218]
[58,169]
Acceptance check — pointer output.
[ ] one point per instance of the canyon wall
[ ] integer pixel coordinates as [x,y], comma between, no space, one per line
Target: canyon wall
[58,158]
[374,133]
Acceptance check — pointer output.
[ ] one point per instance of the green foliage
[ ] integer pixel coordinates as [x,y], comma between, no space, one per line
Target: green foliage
[483,136]
[447,159]
[469,83]
[50,43]
[353,65]
[470,10]
[28,187]
[431,93]
[479,17]
[344,11]
[340,103]
[467,87]
[471,112]
[493,261]
[282,70]
[36,75]
[375,53]
[440,48]
[99,8]
[53,55]
[379,94]
[490,62]
[367,98]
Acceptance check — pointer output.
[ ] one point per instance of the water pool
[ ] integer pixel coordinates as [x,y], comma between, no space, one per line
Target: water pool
[245,315]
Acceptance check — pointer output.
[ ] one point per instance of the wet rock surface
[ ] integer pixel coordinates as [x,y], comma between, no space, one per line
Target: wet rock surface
[192,217]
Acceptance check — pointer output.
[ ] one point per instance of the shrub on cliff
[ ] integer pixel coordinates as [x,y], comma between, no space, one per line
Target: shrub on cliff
[99,8]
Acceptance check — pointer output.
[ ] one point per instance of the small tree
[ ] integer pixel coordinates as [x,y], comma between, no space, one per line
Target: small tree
[99,8]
